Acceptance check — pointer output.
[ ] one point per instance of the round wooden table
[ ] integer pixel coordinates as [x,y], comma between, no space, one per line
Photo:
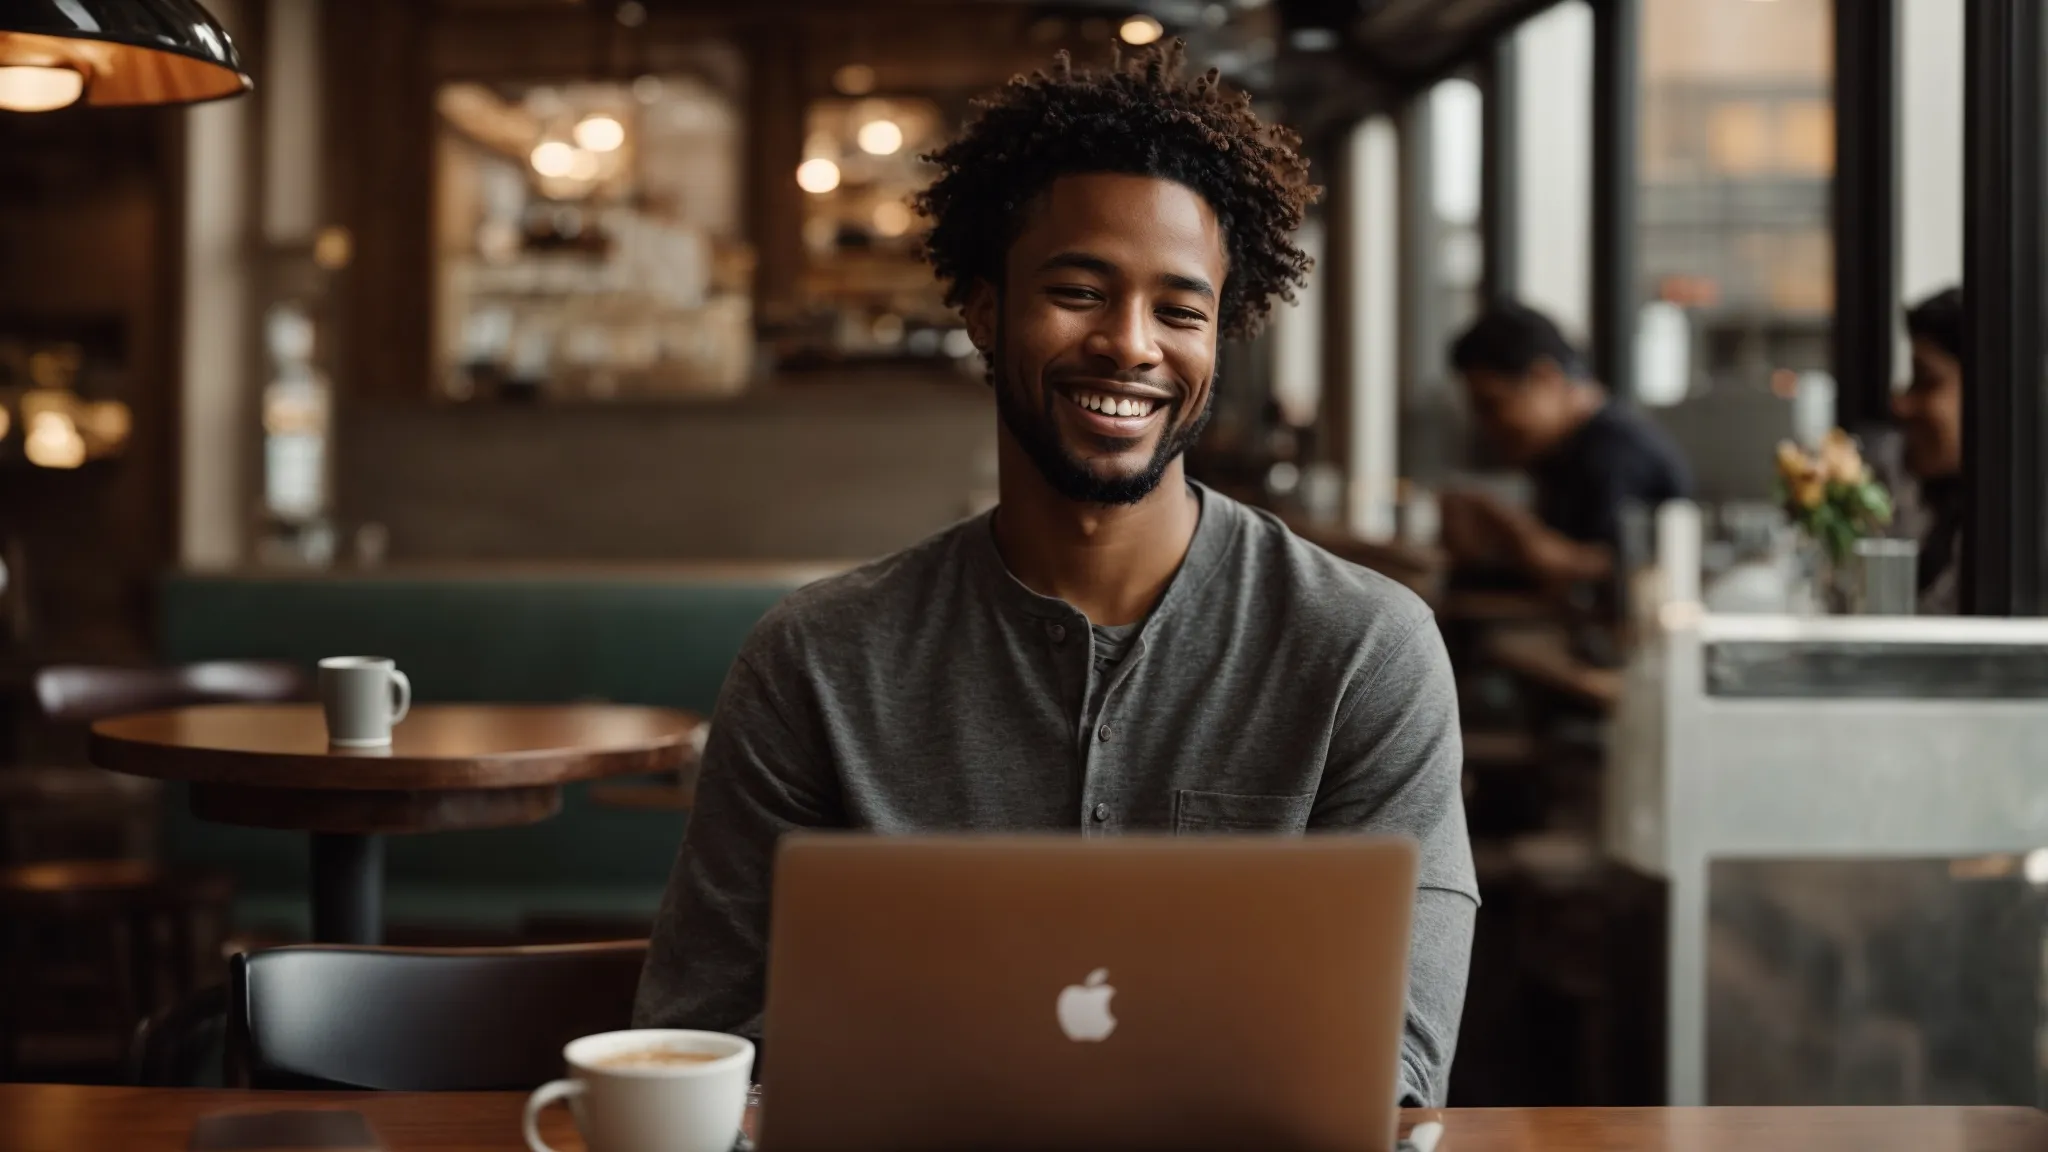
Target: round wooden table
[449,766]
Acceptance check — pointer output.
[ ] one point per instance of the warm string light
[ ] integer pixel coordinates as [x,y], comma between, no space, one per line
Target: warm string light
[53,441]
[1139,30]
[600,133]
[892,219]
[553,158]
[854,79]
[879,137]
[817,176]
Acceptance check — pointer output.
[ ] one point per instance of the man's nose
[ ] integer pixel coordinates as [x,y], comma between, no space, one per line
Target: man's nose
[1124,335]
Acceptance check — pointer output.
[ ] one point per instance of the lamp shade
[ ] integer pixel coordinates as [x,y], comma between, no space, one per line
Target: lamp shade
[123,51]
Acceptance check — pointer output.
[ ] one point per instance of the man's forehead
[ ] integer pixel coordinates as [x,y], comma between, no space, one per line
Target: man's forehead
[1146,212]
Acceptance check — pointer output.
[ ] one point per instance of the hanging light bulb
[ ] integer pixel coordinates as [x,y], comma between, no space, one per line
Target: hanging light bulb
[39,88]
[53,441]
[854,79]
[1140,30]
[54,53]
[600,133]
[817,176]
[879,137]
[892,218]
[553,158]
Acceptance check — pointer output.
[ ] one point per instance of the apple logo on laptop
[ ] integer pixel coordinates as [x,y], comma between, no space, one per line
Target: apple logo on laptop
[1084,1008]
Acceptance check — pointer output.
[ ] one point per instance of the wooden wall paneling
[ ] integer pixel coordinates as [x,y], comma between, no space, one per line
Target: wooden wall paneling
[91,203]
[379,123]
[775,115]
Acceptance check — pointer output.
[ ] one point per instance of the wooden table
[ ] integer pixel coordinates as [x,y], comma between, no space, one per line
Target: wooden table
[647,796]
[449,766]
[50,1118]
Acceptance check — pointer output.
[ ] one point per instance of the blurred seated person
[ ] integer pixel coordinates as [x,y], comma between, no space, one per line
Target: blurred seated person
[1930,413]
[1588,456]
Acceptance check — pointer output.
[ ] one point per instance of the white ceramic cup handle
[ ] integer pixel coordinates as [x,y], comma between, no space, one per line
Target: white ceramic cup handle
[543,1096]
[401,695]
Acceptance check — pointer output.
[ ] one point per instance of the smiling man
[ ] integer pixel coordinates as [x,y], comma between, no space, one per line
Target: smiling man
[1114,648]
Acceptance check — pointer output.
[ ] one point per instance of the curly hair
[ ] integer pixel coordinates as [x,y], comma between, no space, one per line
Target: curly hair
[1140,117]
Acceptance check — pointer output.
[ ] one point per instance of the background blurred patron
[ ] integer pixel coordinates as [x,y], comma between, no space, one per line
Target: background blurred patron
[1930,413]
[1540,411]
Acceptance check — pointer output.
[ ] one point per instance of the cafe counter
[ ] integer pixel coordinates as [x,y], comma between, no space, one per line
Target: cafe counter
[1842,808]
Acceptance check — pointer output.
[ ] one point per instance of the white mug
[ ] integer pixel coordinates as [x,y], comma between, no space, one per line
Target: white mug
[623,1105]
[362,697]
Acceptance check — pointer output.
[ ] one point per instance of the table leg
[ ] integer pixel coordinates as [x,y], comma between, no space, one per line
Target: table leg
[348,888]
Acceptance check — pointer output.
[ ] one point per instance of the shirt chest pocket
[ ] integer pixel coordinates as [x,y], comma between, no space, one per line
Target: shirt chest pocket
[1196,811]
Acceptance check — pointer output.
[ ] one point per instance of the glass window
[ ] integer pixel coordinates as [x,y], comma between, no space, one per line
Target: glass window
[1930,149]
[1736,249]
[1554,164]
[1455,111]
[1449,272]
[1374,184]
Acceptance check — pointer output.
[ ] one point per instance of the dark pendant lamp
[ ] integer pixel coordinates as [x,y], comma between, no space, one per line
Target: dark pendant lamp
[56,53]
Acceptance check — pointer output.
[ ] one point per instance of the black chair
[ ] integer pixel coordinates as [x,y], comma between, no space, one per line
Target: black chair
[58,809]
[88,947]
[182,1046]
[94,932]
[421,1019]
[83,693]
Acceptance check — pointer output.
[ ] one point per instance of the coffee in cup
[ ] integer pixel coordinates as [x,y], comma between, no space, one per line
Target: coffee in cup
[655,1058]
[362,698]
[651,1090]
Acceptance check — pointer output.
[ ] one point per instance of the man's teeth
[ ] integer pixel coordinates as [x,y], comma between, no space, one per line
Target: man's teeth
[1113,405]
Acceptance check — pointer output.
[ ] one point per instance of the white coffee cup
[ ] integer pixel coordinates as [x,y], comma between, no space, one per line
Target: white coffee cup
[627,1105]
[363,696]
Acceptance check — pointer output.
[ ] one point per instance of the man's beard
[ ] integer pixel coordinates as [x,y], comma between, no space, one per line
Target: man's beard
[1037,433]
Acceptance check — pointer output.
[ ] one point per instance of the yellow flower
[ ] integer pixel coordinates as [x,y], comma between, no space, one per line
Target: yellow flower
[1792,463]
[1840,463]
[1808,490]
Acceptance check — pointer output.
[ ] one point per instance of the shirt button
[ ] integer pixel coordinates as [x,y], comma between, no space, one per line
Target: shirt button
[1058,632]
[1104,733]
[1101,813]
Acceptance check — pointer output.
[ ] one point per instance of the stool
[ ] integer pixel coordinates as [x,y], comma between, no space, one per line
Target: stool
[75,814]
[88,948]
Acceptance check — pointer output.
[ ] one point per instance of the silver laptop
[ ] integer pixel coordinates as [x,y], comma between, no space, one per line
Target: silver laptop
[1059,993]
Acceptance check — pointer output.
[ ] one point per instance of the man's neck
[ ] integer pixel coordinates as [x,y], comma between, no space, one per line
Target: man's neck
[1112,562]
[1586,402]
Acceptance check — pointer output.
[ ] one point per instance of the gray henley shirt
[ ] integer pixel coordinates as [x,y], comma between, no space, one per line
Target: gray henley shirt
[1274,688]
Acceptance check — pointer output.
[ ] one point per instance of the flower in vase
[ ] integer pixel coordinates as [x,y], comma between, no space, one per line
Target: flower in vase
[1831,493]
[1840,462]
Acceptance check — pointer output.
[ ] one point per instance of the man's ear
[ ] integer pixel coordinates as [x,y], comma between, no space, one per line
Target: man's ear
[984,304]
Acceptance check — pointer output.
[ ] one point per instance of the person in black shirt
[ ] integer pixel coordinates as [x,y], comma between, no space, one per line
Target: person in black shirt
[1588,456]
[1930,413]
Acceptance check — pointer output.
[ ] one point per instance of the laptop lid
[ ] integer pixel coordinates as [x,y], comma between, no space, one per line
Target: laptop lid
[1054,992]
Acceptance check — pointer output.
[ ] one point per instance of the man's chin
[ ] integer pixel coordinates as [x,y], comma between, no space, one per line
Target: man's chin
[1092,483]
